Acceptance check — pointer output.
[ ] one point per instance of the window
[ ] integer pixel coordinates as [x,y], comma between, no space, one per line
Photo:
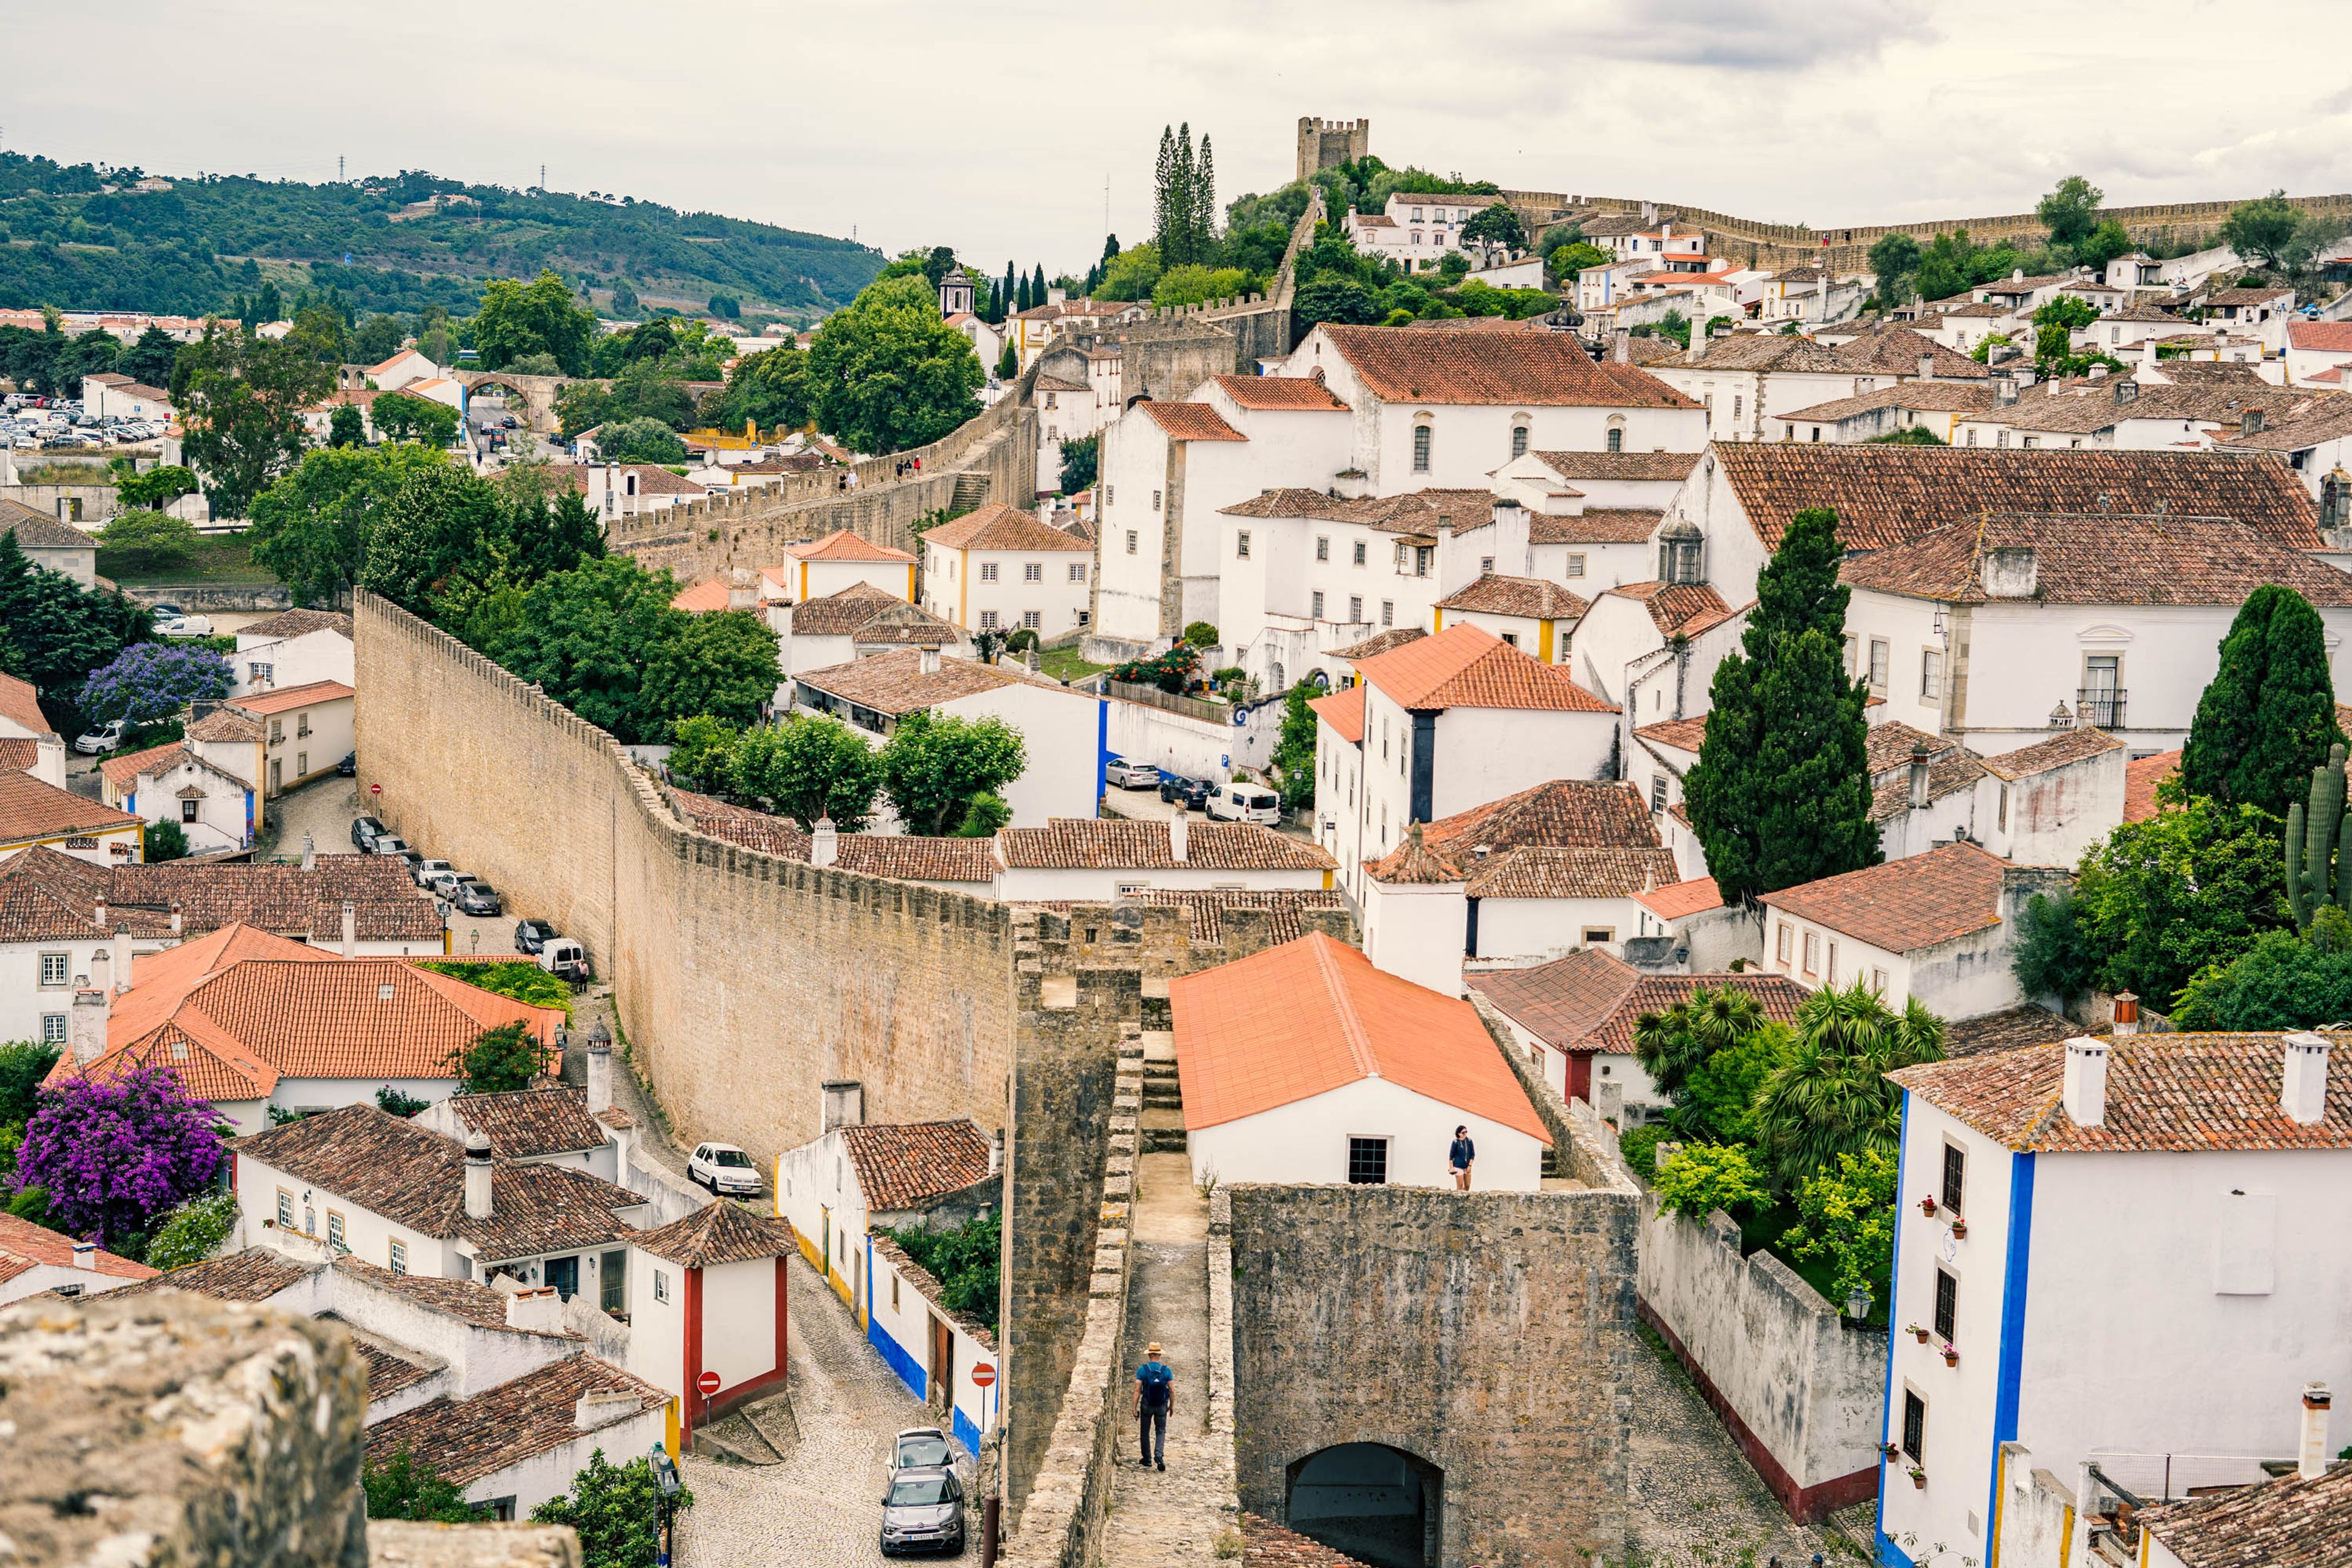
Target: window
[260,674]
[1033,572]
[1915,1425]
[188,807]
[1595,935]
[1518,440]
[1421,438]
[1130,542]
[396,1255]
[302,724]
[1241,544]
[1563,646]
[1077,571]
[1032,619]
[1354,606]
[1512,638]
[988,620]
[1781,943]
[285,1209]
[1931,673]
[1485,565]
[894,1292]
[1110,494]
[53,1029]
[1359,553]
[1388,612]
[1948,1305]
[2001,820]
[1658,796]
[1955,1176]
[1878,664]
[1368,1161]
[1576,565]
[612,1281]
[1322,547]
[1403,553]
[55,967]
[1812,953]
[1315,604]
[988,571]
[335,1231]
[661,1285]
[276,731]
[1830,973]
[1155,500]
[1738,405]
[1878,981]
[1616,440]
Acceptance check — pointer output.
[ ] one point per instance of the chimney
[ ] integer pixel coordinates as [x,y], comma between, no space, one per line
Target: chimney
[310,851]
[1179,835]
[102,911]
[350,929]
[2127,389]
[1697,349]
[1918,775]
[2085,1092]
[2311,1461]
[2250,422]
[2303,1091]
[996,1153]
[845,1104]
[2127,1014]
[742,589]
[538,1308]
[85,1257]
[599,1067]
[2004,390]
[1927,367]
[824,843]
[176,922]
[1621,346]
[2011,572]
[86,1030]
[928,660]
[598,1406]
[477,1176]
[121,946]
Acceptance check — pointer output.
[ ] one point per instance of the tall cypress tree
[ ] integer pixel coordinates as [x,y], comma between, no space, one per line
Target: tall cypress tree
[1780,794]
[1204,204]
[1182,224]
[1007,296]
[1021,294]
[1165,200]
[1037,286]
[2269,715]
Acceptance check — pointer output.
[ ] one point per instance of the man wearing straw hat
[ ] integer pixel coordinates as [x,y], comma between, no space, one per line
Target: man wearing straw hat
[1155,1396]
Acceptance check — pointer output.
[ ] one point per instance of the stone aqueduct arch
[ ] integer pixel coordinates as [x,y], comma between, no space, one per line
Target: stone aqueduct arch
[537,392]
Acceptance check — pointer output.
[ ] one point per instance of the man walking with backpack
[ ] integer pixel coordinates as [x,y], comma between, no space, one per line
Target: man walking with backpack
[1155,1396]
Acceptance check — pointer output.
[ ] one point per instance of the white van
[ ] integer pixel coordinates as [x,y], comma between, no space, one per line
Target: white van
[1244,801]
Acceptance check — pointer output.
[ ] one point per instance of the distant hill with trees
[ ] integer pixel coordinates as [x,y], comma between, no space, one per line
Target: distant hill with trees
[82,236]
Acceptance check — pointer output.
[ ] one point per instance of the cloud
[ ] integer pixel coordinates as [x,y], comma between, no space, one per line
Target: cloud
[1765,36]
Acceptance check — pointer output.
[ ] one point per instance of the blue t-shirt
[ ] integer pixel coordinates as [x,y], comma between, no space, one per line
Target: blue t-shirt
[1157,1383]
[1463,1152]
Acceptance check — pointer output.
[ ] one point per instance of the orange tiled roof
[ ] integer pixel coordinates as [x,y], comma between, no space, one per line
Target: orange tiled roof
[1676,899]
[123,768]
[841,545]
[32,808]
[1344,712]
[1295,393]
[2141,775]
[900,1164]
[720,1233]
[21,706]
[1312,1016]
[1676,609]
[1550,369]
[1590,1001]
[1105,843]
[35,1244]
[702,598]
[1907,904]
[1595,525]
[2101,557]
[1682,734]
[1529,598]
[284,699]
[1465,667]
[1191,422]
[1000,527]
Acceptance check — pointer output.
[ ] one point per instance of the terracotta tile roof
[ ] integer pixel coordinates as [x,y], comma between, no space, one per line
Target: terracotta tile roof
[1896,350]
[1531,598]
[20,752]
[417,1177]
[902,1165]
[20,705]
[1000,527]
[719,1232]
[224,724]
[1676,609]
[2064,749]
[1380,643]
[651,478]
[469,1300]
[297,623]
[1117,844]
[2320,337]
[2100,558]
[1312,1016]
[703,598]
[1784,351]
[34,908]
[1544,873]
[1677,900]
[2056,413]
[286,900]
[894,683]
[1285,910]
[1682,734]
[1947,774]
[1590,1001]
[1059,383]
[1884,495]
[1464,666]
[841,545]
[1907,904]
[2329,420]
[1546,369]
[2289,1522]
[122,769]
[906,857]
[2025,1025]
[1420,512]
[2235,297]
[285,699]
[845,613]
[1595,525]
[2184,1093]
[1344,712]
[1566,814]
[31,808]
[530,1123]
[2141,775]
[1279,392]
[33,1243]
[1265,1544]
[256,1274]
[1887,745]
[465,1440]
[1927,397]
[38,531]
[1190,421]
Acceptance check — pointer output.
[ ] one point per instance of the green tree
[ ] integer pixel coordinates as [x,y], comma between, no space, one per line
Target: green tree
[1184,200]
[2103,245]
[1711,1055]
[616,1509]
[519,979]
[402,1486]
[1193,284]
[241,401]
[2071,212]
[1568,261]
[54,631]
[2265,229]
[1132,274]
[497,1060]
[1498,224]
[2054,955]
[1893,259]
[153,491]
[143,539]
[770,388]
[433,523]
[1200,634]
[320,334]
[1008,364]
[2160,899]
[639,441]
[23,1064]
[1293,748]
[1081,460]
[807,768]
[312,528]
[965,1261]
[2268,716]
[345,426]
[405,418]
[1703,1177]
[1848,1223]
[1832,1096]
[378,338]
[192,1231]
[722,663]
[2285,981]
[1341,300]
[702,752]
[932,768]
[537,317]
[1781,792]
[162,841]
[148,361]
[889,374]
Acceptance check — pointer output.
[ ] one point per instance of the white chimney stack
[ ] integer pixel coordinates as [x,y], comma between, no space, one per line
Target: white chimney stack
[1179,836]
[2311,1461]
[122,945]
[102,911]
[600,1068]
[84,1255]
[2303,1089]
[824,843]
[2085,1093]
[86,1030]
[309,852]
[177,923]
[350,929]
[1919,770]
[996,1153]
[928,660]
[477,1176]
[537,1307]
[599,1407]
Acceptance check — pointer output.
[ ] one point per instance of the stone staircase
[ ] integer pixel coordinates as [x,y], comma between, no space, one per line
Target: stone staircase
[970,492]
[1162,1127]
[760,1433]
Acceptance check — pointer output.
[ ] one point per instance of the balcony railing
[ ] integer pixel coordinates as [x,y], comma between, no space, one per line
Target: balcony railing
[2099,707]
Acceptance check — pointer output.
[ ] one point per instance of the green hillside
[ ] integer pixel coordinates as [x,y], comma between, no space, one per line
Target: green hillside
[412,241]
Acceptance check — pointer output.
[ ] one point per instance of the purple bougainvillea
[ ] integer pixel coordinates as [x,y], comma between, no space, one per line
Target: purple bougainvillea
[114,1157]
[150,682]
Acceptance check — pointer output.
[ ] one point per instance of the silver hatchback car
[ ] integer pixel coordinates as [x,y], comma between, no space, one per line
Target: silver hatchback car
[923,1511]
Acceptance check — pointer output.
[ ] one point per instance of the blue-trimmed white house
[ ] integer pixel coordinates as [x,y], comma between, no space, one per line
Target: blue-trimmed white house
[2119,1261]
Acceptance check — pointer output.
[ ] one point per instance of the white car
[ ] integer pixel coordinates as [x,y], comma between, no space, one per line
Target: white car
[1123,775]
[1244,801]
[184,627]
[424,872]
[106,737]
[725,1170]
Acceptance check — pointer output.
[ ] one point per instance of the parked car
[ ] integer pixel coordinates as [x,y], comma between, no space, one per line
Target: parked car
[364,830]
[1193,792]
[923,1511]
[921,1448]
[478,899]
[106,737]
[1124,775]
[349,766]
[530,936]
[566,960]
[161,611]
[428,869]
[184,627]
[1243,802]
[724,1169]
[393,844]
[444,883]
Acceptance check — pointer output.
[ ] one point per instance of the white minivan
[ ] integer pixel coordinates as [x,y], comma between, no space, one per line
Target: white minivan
[1244,801]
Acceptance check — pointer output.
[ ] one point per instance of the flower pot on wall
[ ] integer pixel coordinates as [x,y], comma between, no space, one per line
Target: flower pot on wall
[1916,1332]
[1959,1229]
[1927,1206]
[1918,1478]
[1951,1356]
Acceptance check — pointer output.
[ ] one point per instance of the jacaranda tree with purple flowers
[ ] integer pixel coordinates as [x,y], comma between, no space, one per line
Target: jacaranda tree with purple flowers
[150,682]
[115,1157]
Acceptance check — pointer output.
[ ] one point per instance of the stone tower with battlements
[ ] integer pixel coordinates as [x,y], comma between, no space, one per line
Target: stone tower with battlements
[1328,144]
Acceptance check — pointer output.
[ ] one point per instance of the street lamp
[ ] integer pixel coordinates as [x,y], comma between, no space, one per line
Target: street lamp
[1857,1304]
[665,1470]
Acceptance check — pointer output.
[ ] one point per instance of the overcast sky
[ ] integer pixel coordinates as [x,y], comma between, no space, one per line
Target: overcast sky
[993,127]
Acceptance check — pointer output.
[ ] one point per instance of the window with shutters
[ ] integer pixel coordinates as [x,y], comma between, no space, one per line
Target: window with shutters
[1812,953]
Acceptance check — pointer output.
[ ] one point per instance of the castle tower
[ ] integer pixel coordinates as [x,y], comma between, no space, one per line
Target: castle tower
[1328,144]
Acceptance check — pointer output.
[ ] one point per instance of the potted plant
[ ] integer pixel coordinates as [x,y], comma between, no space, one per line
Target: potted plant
[1928,1206]
[1890,1450]
[1959,1229]
[1918,1332]
[1918,1478]
[1951,1355]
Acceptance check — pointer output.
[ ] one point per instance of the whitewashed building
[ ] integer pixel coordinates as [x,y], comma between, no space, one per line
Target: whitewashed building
[293,647]
[999,569]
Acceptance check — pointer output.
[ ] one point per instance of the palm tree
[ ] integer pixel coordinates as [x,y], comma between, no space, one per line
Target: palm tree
[1832,1096]
[1675,1046]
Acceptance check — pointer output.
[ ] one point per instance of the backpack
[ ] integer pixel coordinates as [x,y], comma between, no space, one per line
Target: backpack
[1157,1383]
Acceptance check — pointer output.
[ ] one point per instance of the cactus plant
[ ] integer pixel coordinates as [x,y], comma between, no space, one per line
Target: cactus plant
[2318,846]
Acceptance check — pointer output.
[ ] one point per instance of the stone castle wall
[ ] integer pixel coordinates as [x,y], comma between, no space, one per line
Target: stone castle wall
[743,981]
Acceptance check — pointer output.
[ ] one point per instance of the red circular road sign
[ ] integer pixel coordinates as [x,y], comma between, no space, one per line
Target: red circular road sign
[708,1383]
[984,1375]
[375,789]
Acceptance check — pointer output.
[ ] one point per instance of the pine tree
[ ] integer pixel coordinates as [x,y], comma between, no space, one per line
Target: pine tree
[2268,716]
[1165,197]
[1182,223]
[1780,794]
[1204,204]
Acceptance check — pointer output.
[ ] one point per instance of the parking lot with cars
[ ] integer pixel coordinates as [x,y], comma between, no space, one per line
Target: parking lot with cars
[1141,791]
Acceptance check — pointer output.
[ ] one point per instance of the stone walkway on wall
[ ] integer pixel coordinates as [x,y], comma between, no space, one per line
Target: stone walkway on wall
[1171,1517]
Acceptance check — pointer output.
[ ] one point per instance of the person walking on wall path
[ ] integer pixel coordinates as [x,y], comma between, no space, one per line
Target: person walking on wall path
[1155,1396]
[1461,1157]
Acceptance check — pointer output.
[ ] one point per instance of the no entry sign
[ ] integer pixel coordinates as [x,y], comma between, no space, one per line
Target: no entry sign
[984,1375]
[708,1383]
